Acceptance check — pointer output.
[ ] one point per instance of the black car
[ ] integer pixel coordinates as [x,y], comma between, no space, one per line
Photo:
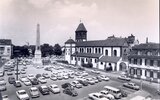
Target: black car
[84,83]
[99,78]
[11,80]
[44,90]
[17,84]
[70,91]
[34,81]
[65,85]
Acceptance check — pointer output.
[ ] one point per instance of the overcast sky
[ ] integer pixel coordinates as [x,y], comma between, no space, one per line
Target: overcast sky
[59,19]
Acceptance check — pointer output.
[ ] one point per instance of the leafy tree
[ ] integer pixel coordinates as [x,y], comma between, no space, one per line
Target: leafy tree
[46,50]
[57,50]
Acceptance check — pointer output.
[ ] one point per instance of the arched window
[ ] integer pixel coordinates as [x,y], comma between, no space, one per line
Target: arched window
[115,52]
[90,50]
[106,52]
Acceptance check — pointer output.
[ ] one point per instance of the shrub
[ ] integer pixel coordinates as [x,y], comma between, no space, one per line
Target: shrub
[89,65]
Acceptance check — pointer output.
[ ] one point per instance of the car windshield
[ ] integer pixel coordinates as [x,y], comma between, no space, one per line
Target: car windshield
[101,96]
[22,92]
[34,90]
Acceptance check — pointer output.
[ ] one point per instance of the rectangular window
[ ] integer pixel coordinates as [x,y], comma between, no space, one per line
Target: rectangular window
[145,61]
[155,75]
[138,72]
[132,71]
[75,58]
[101,63]
[147,73]
[86,59]
[71,58]
[135,61]
[78,58]
[158,63]
[130,60]
[91,60]
[140,61]
[8,50]
[151,62]
[95,60]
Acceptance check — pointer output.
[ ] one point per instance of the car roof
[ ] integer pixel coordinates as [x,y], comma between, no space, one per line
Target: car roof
[43,86]
[21,90]
[33,88]
[53,85]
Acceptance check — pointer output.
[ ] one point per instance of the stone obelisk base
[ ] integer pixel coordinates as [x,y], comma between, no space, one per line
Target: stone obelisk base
[37,60]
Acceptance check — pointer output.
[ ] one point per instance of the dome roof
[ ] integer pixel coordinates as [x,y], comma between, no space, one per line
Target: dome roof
[69,41]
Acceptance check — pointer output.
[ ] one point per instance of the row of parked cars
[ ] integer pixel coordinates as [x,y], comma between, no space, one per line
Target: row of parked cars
[35,92]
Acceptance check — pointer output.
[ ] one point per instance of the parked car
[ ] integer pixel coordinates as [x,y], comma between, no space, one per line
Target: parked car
[158,91]
[95,71]
[54,78]
[90,81]
[3,87]
[2,81]
[5,97]
[23,71]
[104,78]
[27,82]
[65,85]
[1,73]
[44,90]
[11,80]
[54,88]
[45,75]
[22,95]
[59,77]
[95,79]
[30,76]
[42,80]
[97,96]
[124,77]
[9,73]
[34,92]
[99,78]
[76,84]
[34,81]
[17,84]
[131,85]
[106,94]
[83,82]
[70,91]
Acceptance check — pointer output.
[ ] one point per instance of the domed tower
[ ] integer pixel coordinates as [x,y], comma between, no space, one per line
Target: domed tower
[69,49]
[81,33]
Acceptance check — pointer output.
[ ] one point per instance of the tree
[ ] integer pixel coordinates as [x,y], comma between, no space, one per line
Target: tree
[57,50]
[46,50]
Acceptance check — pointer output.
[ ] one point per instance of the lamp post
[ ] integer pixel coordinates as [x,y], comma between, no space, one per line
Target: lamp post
[17,62]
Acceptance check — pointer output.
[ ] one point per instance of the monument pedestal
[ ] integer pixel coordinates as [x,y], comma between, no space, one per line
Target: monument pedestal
[37,60]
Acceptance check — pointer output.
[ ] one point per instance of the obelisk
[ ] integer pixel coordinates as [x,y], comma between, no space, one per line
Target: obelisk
[37,54]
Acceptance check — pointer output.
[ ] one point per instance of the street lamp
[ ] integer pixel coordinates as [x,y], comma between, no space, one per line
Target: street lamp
[17,62]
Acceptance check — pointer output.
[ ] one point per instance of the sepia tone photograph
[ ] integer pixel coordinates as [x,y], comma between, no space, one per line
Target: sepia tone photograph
[79,50]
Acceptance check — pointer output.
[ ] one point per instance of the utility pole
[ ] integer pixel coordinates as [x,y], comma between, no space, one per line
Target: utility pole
[17,70]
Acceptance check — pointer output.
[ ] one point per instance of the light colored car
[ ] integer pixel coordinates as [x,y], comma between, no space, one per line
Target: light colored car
[1,73]
[34,92]
[95,71]
[23,72]
[3,87]
[5,97]
[90,81]
[131,85]
[22,78]
[65,76]
[97,96]
[76,84]
[22,95]
[52,77]
[2,81]
[124,77]
[30,76]
[54,88]
[42,80]
[107,95]
[104,78]
[27,82]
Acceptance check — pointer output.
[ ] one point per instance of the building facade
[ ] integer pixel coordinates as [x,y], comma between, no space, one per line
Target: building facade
[105,54]
[144,62]
[5,49]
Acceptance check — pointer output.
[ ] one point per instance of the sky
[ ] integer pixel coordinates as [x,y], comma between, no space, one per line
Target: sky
[59,19]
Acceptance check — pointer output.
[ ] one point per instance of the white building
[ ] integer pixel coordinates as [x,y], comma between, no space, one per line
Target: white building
[105,54]
[144,62]
[5,48]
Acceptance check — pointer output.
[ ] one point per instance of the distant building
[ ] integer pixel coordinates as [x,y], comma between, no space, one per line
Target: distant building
[144,61]
[103,54]
[5,48]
